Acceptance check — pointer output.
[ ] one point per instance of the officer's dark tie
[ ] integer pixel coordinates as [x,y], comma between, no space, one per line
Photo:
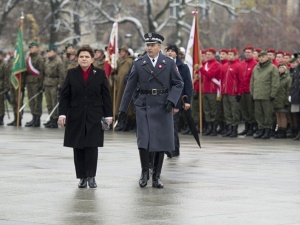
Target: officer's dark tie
[153,60]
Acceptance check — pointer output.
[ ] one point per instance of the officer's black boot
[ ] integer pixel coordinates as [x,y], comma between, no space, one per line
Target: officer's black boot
[1,120]
[54,123]
[158,162]
[144,158]
[229,130]
[250,130]
[208,129]
[259,133]
[169,154]
[31,122]
[37,121]
[214,130]
[267,134]
[224,131]
[245,130]
[234,132]
[151,161]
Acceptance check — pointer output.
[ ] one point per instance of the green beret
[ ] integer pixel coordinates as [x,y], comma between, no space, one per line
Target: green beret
[33,43]
[52,47]
[293,60]
[69,45]
[262,53]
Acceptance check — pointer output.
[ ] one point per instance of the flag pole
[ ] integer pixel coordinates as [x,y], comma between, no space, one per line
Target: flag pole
[115,63]
[20,79]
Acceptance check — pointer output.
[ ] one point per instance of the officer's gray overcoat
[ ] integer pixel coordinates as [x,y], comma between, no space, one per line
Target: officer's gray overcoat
[155,129]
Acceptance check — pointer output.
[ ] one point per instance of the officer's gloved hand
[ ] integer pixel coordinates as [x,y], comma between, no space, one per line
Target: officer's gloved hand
[238,98]
[169,106]
[272,98]
[121,116]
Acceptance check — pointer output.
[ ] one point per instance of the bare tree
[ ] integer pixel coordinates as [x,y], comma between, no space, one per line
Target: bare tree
[8,5]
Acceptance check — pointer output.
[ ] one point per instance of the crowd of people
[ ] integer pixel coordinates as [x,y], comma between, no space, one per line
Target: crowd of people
[259,88]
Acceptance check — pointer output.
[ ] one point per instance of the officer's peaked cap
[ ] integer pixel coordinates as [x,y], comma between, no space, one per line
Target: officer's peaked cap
[153,38]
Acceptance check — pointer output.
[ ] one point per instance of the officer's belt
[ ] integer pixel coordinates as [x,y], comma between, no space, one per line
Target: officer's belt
[154,91]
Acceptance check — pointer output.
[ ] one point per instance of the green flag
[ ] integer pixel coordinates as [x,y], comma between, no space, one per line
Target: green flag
[19,61]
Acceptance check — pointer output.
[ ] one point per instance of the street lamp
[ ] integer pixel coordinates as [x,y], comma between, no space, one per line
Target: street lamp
[129,36]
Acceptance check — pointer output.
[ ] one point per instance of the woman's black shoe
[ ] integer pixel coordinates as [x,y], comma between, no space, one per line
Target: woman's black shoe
[92,182]
[82,183]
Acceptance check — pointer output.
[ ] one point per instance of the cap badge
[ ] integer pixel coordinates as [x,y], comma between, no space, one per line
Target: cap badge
[150,35]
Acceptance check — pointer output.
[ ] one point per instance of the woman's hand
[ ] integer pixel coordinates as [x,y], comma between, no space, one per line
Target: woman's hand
[61,121]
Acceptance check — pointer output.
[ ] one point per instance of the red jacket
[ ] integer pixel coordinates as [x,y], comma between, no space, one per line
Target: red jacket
[210,71]
[247,67]
[231,78]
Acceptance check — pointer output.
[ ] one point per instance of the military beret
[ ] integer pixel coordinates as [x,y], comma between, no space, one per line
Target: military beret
[288,54]
[173,47]
[262,53]
[33,43]
[69,45]
[52,47]
[203,51]
[272,50]
[225,50]
[249,47]
[153,38]
[212,50]
[258,50]
[234,50]
[280,52]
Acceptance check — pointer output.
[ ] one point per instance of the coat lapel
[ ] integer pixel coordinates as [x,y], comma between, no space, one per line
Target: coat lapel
[79,75]
[160,64]
[92,75]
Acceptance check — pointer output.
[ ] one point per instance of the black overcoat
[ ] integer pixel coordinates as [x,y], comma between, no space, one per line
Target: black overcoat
[155,129]
[84,104]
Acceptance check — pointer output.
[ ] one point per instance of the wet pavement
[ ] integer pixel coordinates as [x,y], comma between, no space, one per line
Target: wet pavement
[230,181]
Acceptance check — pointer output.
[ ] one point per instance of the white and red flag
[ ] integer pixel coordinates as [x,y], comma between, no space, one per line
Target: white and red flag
[112,51]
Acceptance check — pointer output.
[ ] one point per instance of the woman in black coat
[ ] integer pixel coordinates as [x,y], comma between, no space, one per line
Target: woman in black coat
[84,100]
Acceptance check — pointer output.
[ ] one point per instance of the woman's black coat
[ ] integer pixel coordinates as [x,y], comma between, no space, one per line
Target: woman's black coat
[84,104]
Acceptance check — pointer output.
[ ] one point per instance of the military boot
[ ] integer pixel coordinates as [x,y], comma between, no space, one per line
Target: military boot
[221,128]
[234,132]
[144,158]
[245,130]
[1,120]
[158,162]
[214,131]
[37,121]
[229,130]
[259,133]
[53,123]
[267,134]
[31,122]
[209,129]
[250,130]
[14,122]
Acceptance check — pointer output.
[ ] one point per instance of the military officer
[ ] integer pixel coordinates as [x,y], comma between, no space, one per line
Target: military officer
[34,78]
[54,78]
[159,88]
[264,86]
[4,85]
[67,60]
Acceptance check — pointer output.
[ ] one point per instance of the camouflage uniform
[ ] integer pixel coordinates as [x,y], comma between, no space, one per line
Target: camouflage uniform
[54,78]
[99,63]
[4,86]
[34,85]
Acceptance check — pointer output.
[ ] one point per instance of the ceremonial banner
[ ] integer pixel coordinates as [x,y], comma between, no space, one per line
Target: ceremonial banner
[112,51]
[19,65]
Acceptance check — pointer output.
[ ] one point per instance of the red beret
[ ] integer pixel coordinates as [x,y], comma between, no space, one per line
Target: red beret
[234,50]
[249,47]
[280,52]
[212,50]
[224,50]
[288,54]
[203,51]
[271,50]
[258,50]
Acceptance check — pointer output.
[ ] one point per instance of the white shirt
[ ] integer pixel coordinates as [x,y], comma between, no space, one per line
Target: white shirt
[155,60]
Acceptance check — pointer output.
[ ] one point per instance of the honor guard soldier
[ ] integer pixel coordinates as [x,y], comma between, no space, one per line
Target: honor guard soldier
[73,60]
[4,85]
[99,58]
[54,78]
[158,86]
[34,78]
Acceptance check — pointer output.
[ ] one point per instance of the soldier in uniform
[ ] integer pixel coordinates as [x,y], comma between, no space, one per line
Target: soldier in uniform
[54,78]
[264,86]
[34,83]
[159,87]
[99,58]
[4,85]
[123,65]
[73,60]
[66,60]
[14,92]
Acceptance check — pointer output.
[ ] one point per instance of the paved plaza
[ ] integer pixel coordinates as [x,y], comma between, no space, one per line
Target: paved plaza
[230,181]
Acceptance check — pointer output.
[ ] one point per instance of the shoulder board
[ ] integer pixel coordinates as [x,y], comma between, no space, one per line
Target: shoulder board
[169,57]
[139,58]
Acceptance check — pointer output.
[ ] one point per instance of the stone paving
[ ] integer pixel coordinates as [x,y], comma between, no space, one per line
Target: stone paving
[230,181]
